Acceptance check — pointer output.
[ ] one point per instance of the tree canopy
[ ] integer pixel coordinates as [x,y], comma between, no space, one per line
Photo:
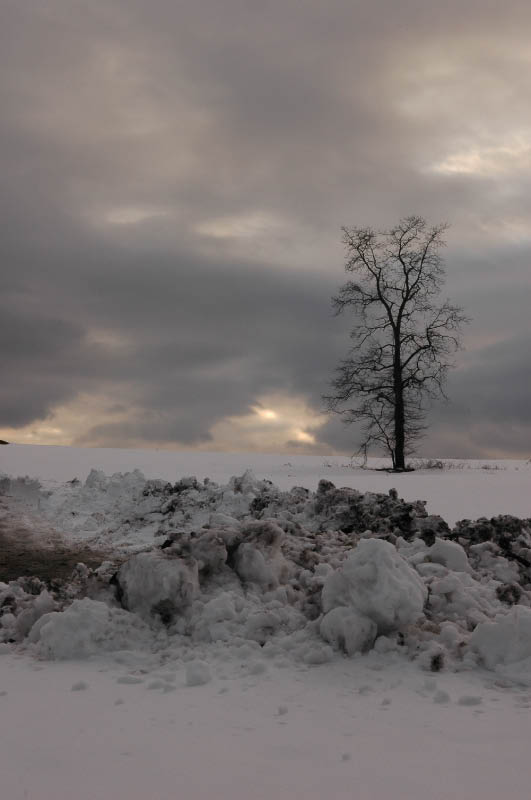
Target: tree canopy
[403,339]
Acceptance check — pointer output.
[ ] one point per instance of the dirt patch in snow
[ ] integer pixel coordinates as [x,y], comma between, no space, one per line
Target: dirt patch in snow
[50,558]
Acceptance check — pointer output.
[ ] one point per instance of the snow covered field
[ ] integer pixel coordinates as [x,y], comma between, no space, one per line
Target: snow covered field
[466,489]
[242,639]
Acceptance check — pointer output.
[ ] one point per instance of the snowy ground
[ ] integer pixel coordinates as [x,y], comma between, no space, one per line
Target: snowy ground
[490,488]
[265,643]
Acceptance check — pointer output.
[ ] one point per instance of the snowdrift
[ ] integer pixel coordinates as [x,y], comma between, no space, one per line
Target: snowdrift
[248,570]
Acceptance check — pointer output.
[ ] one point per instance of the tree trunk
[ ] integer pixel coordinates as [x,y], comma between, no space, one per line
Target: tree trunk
[399,459]
[400,462]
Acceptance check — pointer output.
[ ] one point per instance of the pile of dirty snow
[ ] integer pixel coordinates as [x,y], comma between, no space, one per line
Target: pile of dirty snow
[247,570]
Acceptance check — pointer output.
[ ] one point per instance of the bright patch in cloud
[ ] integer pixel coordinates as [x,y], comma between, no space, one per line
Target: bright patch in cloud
[276,424]
[279,424]
[304,436]
[67,422]
[265,413]
[243,226]
[487,160]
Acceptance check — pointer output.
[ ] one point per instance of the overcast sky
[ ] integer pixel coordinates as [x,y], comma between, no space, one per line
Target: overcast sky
[174,178]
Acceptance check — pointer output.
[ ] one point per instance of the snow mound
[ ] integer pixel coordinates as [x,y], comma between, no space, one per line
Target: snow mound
[504,644]
[252,571]
[348,630]
[259,559]
[450,554]
[114,506]
[25,488]
[22,603]
[86,628]
[197,673]
[378,584]
[153,584]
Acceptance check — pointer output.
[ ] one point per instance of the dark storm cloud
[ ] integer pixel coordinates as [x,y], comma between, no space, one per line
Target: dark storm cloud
[45,361]
[141,143]
[198,341]
[506,400]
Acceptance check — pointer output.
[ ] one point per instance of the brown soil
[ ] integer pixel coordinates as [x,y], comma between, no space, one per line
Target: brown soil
[50,558]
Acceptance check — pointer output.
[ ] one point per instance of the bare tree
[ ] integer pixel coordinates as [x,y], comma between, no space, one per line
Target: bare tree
[403,340]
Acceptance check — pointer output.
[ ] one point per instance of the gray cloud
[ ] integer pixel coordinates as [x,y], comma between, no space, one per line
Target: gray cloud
[175,176]
[507,398]
[197,341]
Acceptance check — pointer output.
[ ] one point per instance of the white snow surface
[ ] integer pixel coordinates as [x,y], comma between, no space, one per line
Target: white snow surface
[504,644]
[250,640]
[87,627]
[378,583]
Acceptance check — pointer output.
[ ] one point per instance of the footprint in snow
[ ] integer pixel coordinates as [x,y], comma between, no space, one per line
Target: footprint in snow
[80,686]
[470,700]
[166,686]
